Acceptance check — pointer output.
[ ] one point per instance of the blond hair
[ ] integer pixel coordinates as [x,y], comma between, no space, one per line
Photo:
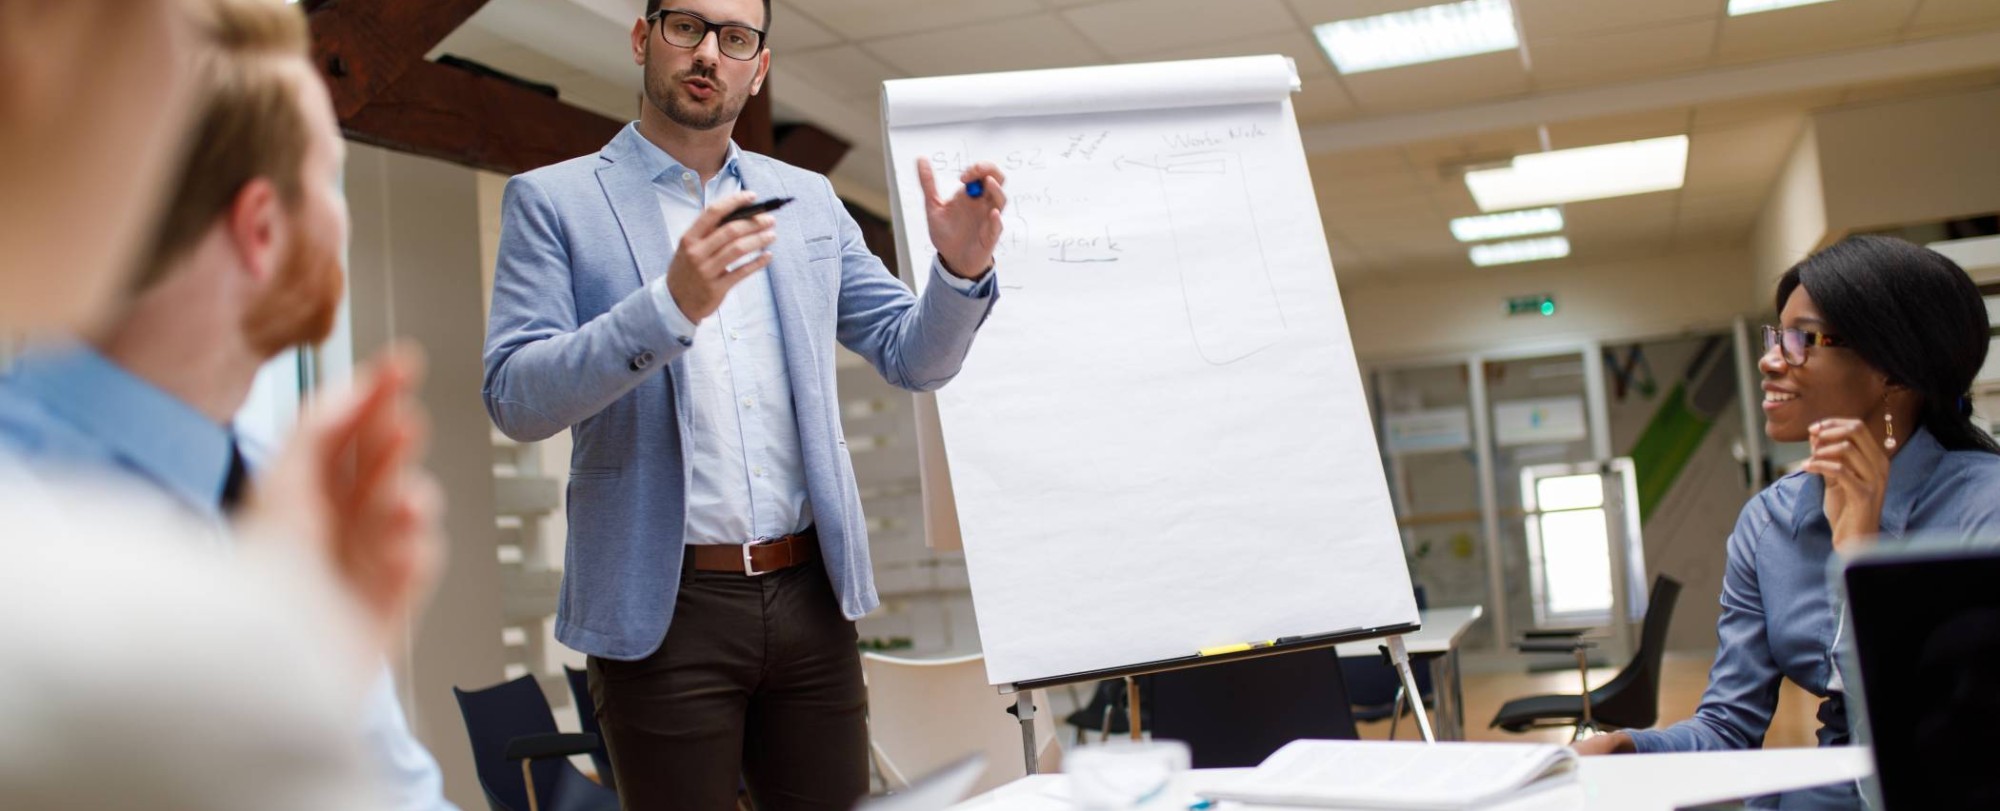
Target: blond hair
[249,122]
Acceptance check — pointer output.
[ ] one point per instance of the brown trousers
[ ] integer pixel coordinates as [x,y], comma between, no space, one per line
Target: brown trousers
[758,677]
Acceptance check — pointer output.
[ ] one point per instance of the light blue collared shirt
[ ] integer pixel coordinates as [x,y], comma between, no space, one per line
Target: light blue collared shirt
[748,477]
[1779,610]
[71,408]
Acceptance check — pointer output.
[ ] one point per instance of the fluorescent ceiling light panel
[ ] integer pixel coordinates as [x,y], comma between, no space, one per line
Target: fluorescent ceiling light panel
[1507,224]
[1585,173]
[1520,250]
[1738,8]
[1419,35]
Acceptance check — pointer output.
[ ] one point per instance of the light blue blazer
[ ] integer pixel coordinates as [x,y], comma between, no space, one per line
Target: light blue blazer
[576,341]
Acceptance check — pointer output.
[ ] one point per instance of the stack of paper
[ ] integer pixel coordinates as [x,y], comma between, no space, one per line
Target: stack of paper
[1387,774]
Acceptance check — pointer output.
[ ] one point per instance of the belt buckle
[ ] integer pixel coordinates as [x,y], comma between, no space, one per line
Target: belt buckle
[749,567]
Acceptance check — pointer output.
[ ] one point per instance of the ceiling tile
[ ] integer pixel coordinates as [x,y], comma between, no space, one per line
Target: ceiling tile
[870,19]
[1127,29]
[1603,58]
[846,71]
[1740,161]
[1442,163]
[1314,12]
[1812,29]
[1540,19]
[1322,100]
[1612,129]
[1305,53]
[1725,114]
[1025,43]
[1642,216]
[794,30]
[1937,17]
[1436,84]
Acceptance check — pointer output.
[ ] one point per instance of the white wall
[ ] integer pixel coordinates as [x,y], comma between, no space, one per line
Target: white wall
[415,276]
[1911,161]
[1467,312]
[1793,223]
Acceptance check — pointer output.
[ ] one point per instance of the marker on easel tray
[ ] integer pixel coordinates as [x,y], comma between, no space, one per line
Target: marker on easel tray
[1236,648]
[975,188]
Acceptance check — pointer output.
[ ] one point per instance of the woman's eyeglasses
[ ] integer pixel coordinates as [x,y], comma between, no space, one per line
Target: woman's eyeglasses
[1795,342]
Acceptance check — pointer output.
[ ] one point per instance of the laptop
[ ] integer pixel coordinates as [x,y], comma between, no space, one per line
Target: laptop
[936,791]
[1924,673]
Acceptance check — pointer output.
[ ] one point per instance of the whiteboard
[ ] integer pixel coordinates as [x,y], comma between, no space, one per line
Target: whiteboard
[1159,442]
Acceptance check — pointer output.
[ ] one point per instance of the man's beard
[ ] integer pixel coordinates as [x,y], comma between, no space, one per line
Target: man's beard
[661,92]
[301,302]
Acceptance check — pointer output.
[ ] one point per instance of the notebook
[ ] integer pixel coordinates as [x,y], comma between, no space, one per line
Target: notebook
[1394,775]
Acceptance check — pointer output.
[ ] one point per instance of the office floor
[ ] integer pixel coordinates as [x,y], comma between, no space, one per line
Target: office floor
[1682,681]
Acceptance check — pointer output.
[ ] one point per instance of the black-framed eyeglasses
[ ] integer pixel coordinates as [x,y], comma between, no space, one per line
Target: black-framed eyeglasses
[1794,342]
[686,29]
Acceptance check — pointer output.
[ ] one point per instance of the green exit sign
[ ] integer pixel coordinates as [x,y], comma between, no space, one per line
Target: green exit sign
[1538,304]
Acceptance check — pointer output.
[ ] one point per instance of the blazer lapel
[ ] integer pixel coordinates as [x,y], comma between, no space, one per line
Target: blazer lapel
[629,187]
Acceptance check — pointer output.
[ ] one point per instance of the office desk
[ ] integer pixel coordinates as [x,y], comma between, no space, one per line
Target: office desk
[1612,783]
[1437,644]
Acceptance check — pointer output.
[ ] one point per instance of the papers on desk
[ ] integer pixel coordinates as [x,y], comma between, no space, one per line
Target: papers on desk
[1387,774]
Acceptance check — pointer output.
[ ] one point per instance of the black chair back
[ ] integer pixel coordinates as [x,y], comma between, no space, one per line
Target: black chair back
[1238,713]
[1631,700]
[503,712]
[586,714]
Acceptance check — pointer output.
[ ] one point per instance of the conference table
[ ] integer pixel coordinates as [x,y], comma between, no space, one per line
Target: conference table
[1437,644]
[1661,782]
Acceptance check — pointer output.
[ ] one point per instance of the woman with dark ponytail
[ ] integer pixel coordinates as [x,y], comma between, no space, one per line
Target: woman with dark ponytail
[1877,344]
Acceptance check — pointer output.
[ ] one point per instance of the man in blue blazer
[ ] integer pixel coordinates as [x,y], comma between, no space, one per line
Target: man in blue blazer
[717,554]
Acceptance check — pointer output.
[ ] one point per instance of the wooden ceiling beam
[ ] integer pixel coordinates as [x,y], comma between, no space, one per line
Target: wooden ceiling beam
[364,46]
[456,115]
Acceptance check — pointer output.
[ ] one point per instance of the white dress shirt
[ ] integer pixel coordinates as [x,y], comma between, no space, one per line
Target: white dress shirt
[748,479]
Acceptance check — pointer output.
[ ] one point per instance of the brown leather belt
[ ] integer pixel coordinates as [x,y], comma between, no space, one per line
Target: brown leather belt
[753,559]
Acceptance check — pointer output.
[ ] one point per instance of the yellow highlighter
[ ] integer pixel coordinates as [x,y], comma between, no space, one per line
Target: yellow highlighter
[1236,648]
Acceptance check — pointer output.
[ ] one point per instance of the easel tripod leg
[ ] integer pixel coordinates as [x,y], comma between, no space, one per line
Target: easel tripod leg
[1024,707]
[1400,656]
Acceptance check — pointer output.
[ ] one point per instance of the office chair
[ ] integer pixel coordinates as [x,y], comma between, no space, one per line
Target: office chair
[1238,713]
[1631,700]
[1107,712]
[511,722]
[586,714]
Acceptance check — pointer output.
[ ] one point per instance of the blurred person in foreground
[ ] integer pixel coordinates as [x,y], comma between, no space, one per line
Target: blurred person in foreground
[142,672]
[246,264]
[1877,346]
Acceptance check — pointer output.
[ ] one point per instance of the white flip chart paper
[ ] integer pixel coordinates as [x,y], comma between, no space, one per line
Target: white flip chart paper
[1159,442]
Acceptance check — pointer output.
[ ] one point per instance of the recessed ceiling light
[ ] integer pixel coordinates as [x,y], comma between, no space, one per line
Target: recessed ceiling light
[1585,173]
[1738,8]
[1520,250]
[1507,224]
[1419,35]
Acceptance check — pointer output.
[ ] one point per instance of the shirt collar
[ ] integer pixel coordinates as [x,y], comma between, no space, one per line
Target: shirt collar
[154,433]
[1909,472]
[659,165]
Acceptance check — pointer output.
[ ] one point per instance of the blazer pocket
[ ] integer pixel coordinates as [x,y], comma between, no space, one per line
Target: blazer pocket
[576,473]
[822,247]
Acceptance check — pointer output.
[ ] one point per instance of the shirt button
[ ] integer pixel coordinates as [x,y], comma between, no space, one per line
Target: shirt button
[749,403]
[760,471]
[734,336]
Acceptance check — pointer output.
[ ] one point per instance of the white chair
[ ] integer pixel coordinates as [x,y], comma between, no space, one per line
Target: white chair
[925,713]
